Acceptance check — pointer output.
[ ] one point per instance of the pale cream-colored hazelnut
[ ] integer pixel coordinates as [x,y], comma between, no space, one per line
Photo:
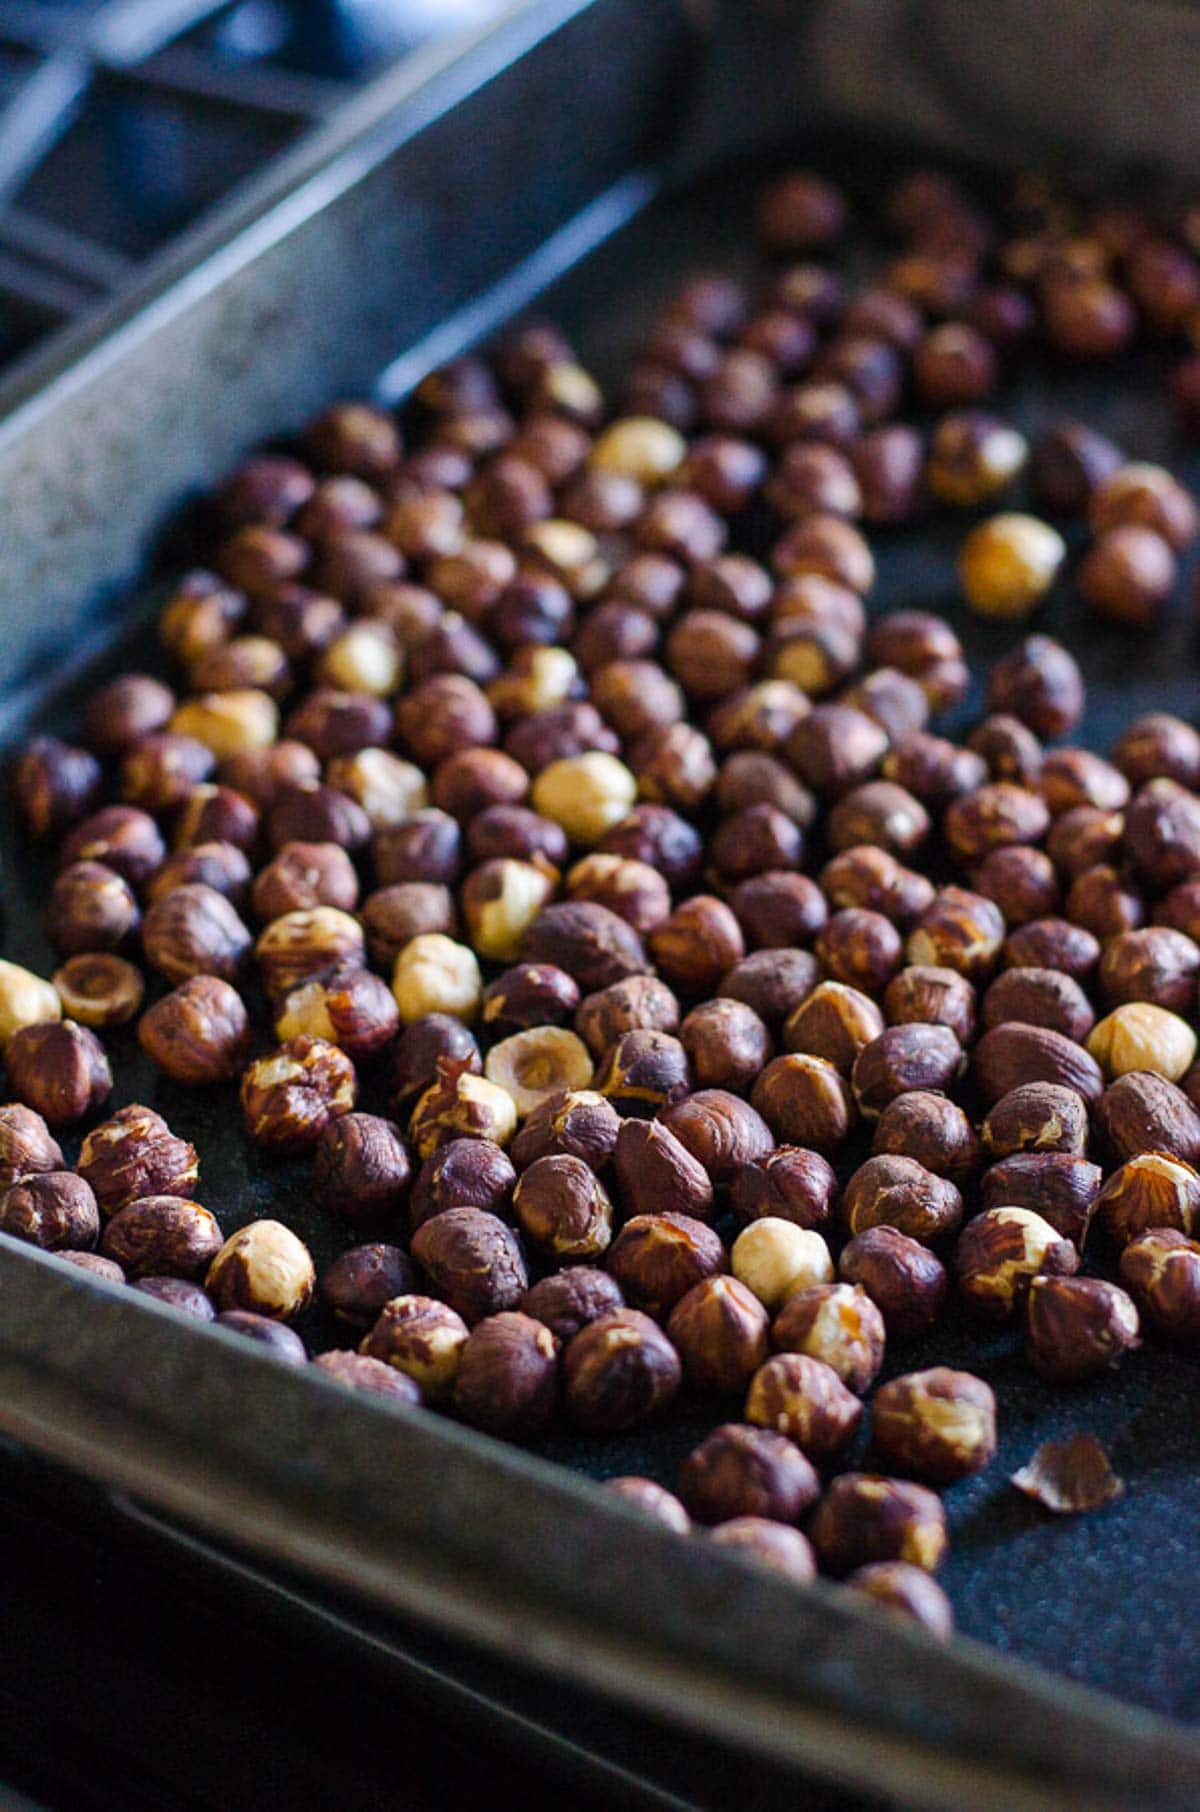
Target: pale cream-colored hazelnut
[538,1063]
[585,794]
[228,723]
[1008,563]
[640,447]
[774,1258]
[424,1338]
[25,1000]
[434,974]
[571,552]
[1141,1036]
[365,657]
[388,788]
[547,677]
[499,911]
[565,385]
[263,1268]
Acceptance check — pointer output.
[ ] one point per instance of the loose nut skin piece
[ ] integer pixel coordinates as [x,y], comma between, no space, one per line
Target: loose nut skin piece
[507,1381]
[473,1260]
[658,1258]
[197,1034]
[135,1154]
[805,1400]
[837,1323]
[1076,1326]
[263,1268]
[618,1371]
[1161,1269]
[162,1236]
[864,1518]
[290,1096]
[1001,1251]
[53,1209]
[564,1209]
[937,1425]
[743,1471]
[1147,1193]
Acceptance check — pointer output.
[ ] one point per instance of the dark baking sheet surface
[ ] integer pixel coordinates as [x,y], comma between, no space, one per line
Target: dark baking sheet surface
[1113,1599]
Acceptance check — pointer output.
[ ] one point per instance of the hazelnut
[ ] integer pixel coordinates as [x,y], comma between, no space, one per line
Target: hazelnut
[1145,496]
[834,1022]
[860,947]
[889,466]
[907,1591]
[656,1172]
[973,457]
[162,1236]
[390,791]
[777,911]
[804,1101]
[1007,564]
[463,1173]
[361,1168]
[791,1184]
[1070,462]
[865,1518]
[228,723]
[993,817]
[773,982]
[1068,778]
[651,1500]
[1158,746]
[99,990]
[291,1095]
[697,944]
[27,1146]
[768,1544]
[53,1209]
[1142,1037]
[577,1123]
[55,784]
[658,1258]
[460,1103]
[414,1059]
[433,974]
[58,1069]
[805,1400]
[121,838]
[901,1058]
[741,1471]
[1036,1116]
[1076,1326]
[633,890]
[903,1278]
[837,1323]
[593,945]
[586,794]
[568,1300]
[960,930]
[755,840]
[162,771]
[282,1342]
[1040,997]
[473,1260]
[262,774]
[775,1258]
[835,748]
[500,901]
[1162,832]
[1009,747]
[939,1424]
[422,1338]
[361,1280]
[933,768]
[618,1371]
[1060,1186]
[719,1329]
[262,1268]
[393,916]
[871,880]
[515,831]
[643,1072]
[179,1294]
[1001,1251]
[1039,682]
[125,710]
[1012,1054]
[1127,575]
[1143,1112]
[507,1381]
[900,1192]
[1053,943]
[194,930]
[726,1043]
[1162,1270]
[199,1033]
[91,908]
[931,1129]
[135,1154]
[1149,1192]
[358,1372]
[656,835]
[564,1208]
[882,814]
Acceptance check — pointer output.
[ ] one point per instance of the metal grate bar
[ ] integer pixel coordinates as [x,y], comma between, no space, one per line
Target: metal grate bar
[269,91]
[71,253]
[38,115]
[126,31]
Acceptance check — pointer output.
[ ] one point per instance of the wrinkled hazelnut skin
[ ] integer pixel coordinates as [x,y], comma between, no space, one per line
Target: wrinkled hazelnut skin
[564,1209]
[1039,997]
[656,1172]
[697,944]
[642,1003]
[263,1268]
[1076,1326]
[901,1059]
[904,1280]
[26,1144]
[134,1154]
[356,1371]
[927,995]
[745,1471]
[962,931]
[119,836]
[593,945]
[804,1101]
[162,1236]
[577,1123]
[568,1300]
[933,1130]
[726,1043]
[907,1591]
[789,1184]
[53,1209]
[460,1104]
[197,1034]
[291,1095]
[834,1022]
[91,908]
[643,1072]
[719,1329]
[530,994]
[864,1518]
[900,1192]
[1141,1112]
[281,1341]
[773,982]
[194,930]
[1000,1251]
[1053,944]
[422,1338]
[1014,1054]
[361,1169]
[1060,1186]
[720,1131]
[837,1323]
[1036,1116]
[302,876]
[1161,1269]
[58,1069]
[473,1260]
[937,1425]
[775,1546]
[1149,1192]
[805,1400]
[507,1382]
[658,1258]
[361,1280]
[618,1371]
[861,948]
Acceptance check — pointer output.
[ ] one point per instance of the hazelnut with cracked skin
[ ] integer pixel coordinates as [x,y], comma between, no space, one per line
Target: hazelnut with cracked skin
[564,1209]
[593,945]
[658,1258]
[640,1003]
[422,1338]
[697,944]
[740,1470]
[1036,1116]
[463,1173]
[899,1192]
[791,1184]
[262,1268]
[932,1129]
[577,1123]
[905,1058]
[1001,1251]
[91,908]
[460,1103]
[26,1144]
[866,1517]
[721,1131]
[904,1280]
[134,1154]
[804,1101]
[719,1329]
[618,1371]
[568,1300]
[937,1425]
[1162,1271]
[643,1072]
[52,1209]
[1060,1186]
[361,1168]
[1149,1192]
[837,1323]
[162,1236]
[351,1008]
[194,930]
[307,945]
[805,1400]
[835,1022]
[289,1096]
[1076,1326]
[58,1069]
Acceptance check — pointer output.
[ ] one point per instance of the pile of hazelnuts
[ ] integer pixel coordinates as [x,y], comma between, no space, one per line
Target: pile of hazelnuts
[540,835]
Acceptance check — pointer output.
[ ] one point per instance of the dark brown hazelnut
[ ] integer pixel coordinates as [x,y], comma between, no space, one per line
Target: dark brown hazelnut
[1070,462]
[119,836]
[1127,575]
[1076,1326]
[362,1170]
[773,982]
[354,438]
[835,748]
[925,994]
[871,880]
[755,840]
[901,1058]
[933,768]
[1009,747]
[305,946]
[27,1147]
[804,1101]
[593,945]
[791,1184]
[1143,1112]
[1012,1054]
[58,1069]
[91,908]
[658,836]
[564,1208]
[933,1130]
[135,1154]
[840,1325]
[290,1096]
[55,785]
[760,717]
[835,1022]
[895,701]
[53,1209]
[177,1293]
[644,1071]
[422,1338]
[473,1260]
[860,947]
[719,1328]
[361,1280]
[1053,943]
[162,1236]
[309,812]
[889,465]
[568,1300]
[507,1380]
[304,875]
[720,1131]
[658,1258]
[414,1059]
[882,814]
[697,944]
[1156,965]
[906,1591]
[426,848]
[954,365]
[726,1043]
[805,1400]
[1001,1251]
[442,714]
[282,1342]
[900,1192]
[651,1500]
[768,1544]
[1039,682]
[1040,997]
[1069,778]
[993,817]
[1162,832]
[1036,1116]
[656,1172]
[219,865]
[864,1518]
[640,1003]
[463,1173]
[1146,497]
[778,910]
[633,890]
[618,1371]
[356,1371]
[125,710]
[197,1034]
[938,1425]
[1060,1186]
[800,212]
[1162,1270]
[1158,746]
[742,1471]
[906,1282]
[193,930]
[215,814]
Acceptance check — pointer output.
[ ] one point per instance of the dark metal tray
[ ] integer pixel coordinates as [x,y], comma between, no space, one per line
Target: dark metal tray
[418,223]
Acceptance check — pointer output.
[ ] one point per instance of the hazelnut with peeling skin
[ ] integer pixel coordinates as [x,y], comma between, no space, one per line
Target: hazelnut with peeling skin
[643,1072]
[960,930]
[1076,1326]
[292,1094]
[1001,1251]
[740,1471]
[162,1236]
[1149,1192]
[834,1022]
[58,1069]
[837,1323]
[351,1008]
[1162,1270]
[1060,1186]
[27,1146]
[460,1103]
[535,1065]
[262,1268]
[639,1003]
[719,1329]
[937,1425]
[564,1209]
[791,1184]
[658,1258]
[52,1209]
[193,930]
[656,1172]
[726,1043]
[134,1154]
[1036,1116]
[422,1338]
[697,944]
[577,1123]
[865,1518]
[507,1381]
[527,996]
[618,1371]
[805,1400]
[305,946]
[91,908]
[720,1130]
[899,1192]
[568,1300]
[805,1101]
[932,1129]
[303,876]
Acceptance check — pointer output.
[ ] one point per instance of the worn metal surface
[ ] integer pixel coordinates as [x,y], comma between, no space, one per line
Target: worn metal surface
[412,1512]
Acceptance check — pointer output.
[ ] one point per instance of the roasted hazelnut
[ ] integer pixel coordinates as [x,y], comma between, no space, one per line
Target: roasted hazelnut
[1040,683]
[658,1258]
[303,876]
[697,944]
[871,880]
[759,717]
[973,457]
[651,1500]
[54,784]
[362,1169]
[162,1236]
[1060,1186]
[937,1425]
[291,1095]
[1149,1192]
[644,1071]
[221,866]
[1162,832]
[135,1154]
[262,1268]
[568,1300]
[362,1280]
[119,836]
[633,890]
[1143,1112]
[791,1184]
[1054,944]
[860,948]
[889,466]
[901,1058]
[1001,1251]
[1162,1269]
[804,1101]
[754,840]
[52,1209]
[593,945]
[58,1069]
[230,722]
[473,1260]
[865,1518]
[1007,564]
[775,1258]
[177,1293]
[253,662]
[414,1059]
[656,1172]
[507,1380]
[992,817]
[908,1592]
[804,1399]
[460,1103]
[720,1130]
[812,477]
[1070,462]
[931,767]
[773,982]
[1158,746]
[1156,965]
[463,1173]
[778,910]
[1036,1116]
[618,1371]
[931,1129]
[27,1147]
[100,990]
[422,1338]
[900,1192]
[1021,881]
[194,930]
[882,814]
[197,1034]
[1076,1326]
[835,1022]
[539,1064]
[260,774]
[91,908]
[656,835]
[435,975]
[768,1544]
[426,849]
[25,1000]
[443,714]
[719,1328]
[800,212]
[954,365]
[1148,497]
[125,710]
[515,831]
[95,1266]
[1101,901]
[741,1471]
[1011,1054]
[1009,747]
[585,794]
[904,1280]
[529,995]
[1069,778]
[563,1208]
[639,1003]
[814,657]
[354,438]
[358,1372]
[1127,575]
[1042,997]
[1143,1037]
[726,1044]
[960,930]
[837,1323]
[500,900]
[558,733]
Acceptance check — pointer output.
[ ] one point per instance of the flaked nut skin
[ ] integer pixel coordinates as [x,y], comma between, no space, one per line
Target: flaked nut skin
[1000,1251]
[1143,1112]
[1161,1269]
[743,1471]
[719,1329]
[866,1517]
[576,1123]
[361,1167]
[790,1184]
[903,1278]
[618,1371]
[658,1258]
[932,1129]
[568,1300]
[804,1399]
[1036,1117]
[901,1193]
[464,1173]
[162,1236]
[1060,1186]
[805,1101]
[838,1324]
[656,1171]
[53,1209]
[907,1591]
[264,1268]
[937,1425]
[26,1144]
[564,1209]
[197,1034]
[507,1382]
[1076,1326]
[421,1337]
[1153,1190]
[1009,1055]
[721,1131]
[356,1371]
[59,1069]
[473,1260]
[361,1280]
[775,1546]
[134,1154]
[291,1095]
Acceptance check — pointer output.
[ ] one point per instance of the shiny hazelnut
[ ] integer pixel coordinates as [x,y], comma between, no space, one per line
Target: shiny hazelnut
[459,1103]
[1162,1270]
[1162,832]
[1001,1251]
[933,1130]
[473,1260]
[568,1300]
[1158,746]
[193,930]
[618,1371]
[1053,943]
[55,785]
[593,945]
[134,1154]
[120,837]
[58,1069]
[901,1058]
[902,1277]
[1143,1112]
[1039,682]
[262,1268]
[697,944]
[27,1147]
[938,1425]
[1060,1186]
[834,1022]
[1011,1054]
[1037,996]
[865,1518]
[1149,1192]
[871,880]
[564,1209]
[51,1209]
[719,1328]
[658,1258]
[463,1173]
[720,1130]
[900,1192]
[837,1323]
[507,1380]
[804,1101]
[790,1184]
[422,1338]
[860,947]
[362,1169]
[1127,575]
[1076,1326]
[413,1064]
[1009,747]
[197,1034]
[162,1236]
[91,908]
[1036,1116]
[804,1399]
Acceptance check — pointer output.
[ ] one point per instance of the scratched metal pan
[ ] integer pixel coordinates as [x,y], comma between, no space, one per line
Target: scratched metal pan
[584,156]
